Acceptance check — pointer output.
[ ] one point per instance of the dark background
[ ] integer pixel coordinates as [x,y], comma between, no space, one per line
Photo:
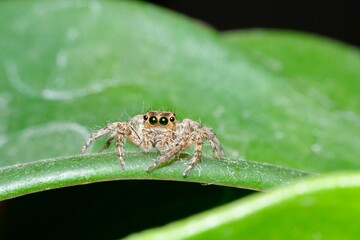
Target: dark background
[108,210]
[92,211]
[335,19]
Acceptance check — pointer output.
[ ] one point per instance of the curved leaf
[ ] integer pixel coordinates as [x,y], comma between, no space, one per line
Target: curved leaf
[62,172]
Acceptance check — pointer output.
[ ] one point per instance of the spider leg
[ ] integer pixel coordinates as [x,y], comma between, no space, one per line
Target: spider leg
[197,155]
[119,146]
[133,136]
[123,129]
[109,141]
[170,154]
[214,142]
[95,135]
[209,134]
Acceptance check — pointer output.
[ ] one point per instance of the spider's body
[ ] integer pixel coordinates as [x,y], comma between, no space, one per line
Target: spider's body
[159,130]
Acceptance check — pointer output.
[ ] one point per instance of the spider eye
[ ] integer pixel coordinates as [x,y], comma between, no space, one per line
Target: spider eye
[153,120]
[146,117]
[163,121]
[172,119]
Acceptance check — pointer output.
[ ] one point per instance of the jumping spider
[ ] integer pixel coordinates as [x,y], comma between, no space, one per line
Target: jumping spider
[159,130]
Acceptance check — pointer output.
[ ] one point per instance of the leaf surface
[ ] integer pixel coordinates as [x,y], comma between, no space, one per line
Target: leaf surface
[68,68]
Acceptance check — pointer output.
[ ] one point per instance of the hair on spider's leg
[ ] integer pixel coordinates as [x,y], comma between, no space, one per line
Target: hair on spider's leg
[158,162]
[214,143]
[95,135]
[108,142]
[133,135]
[167,156]
[217,149]
[119,147]
[197,155]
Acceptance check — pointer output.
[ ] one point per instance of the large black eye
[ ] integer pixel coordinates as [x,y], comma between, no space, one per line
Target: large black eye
[146,117]
[153,120]
[163,121]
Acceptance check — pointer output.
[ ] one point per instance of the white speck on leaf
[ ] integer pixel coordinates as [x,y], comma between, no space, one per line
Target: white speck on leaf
[72,34]
[61,59]
[316,148]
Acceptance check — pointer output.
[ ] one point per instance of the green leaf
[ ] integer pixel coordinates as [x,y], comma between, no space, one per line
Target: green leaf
[323,207]
[62,172]
[71,67]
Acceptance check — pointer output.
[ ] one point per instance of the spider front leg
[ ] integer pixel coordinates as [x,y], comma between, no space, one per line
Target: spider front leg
[167,156]
[171,153]
[190,140]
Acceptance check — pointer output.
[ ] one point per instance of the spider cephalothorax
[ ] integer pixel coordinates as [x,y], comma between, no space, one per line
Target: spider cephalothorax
[159,130]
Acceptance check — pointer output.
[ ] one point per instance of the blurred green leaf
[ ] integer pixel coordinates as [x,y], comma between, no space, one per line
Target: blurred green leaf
[71,67]
[318,208]
[322,109]
[322,69]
